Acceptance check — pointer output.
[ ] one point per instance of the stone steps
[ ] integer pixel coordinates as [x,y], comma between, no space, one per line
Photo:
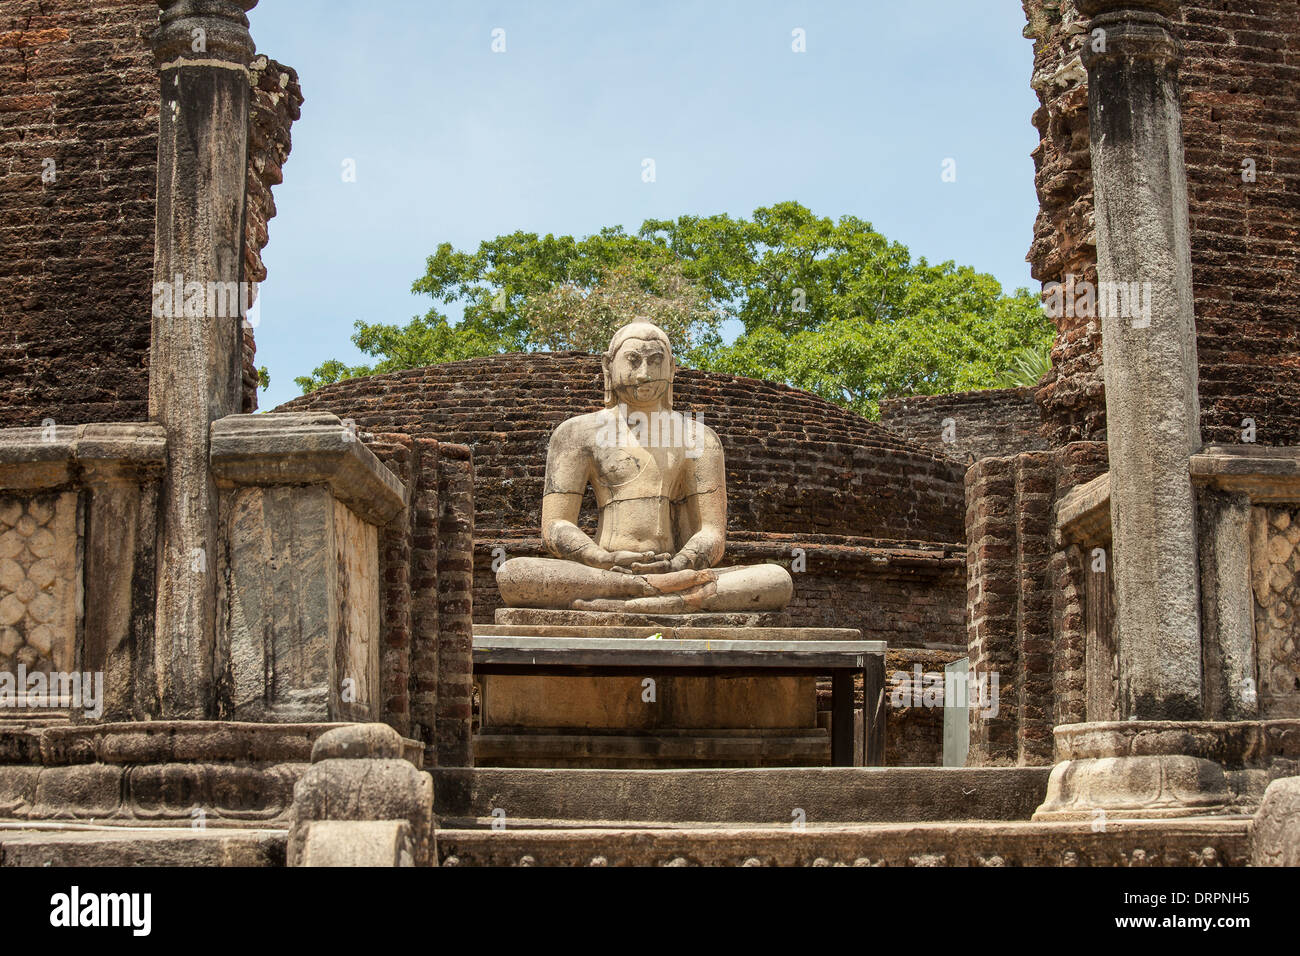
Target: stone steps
[762,797]
[78,845]
[1187,842]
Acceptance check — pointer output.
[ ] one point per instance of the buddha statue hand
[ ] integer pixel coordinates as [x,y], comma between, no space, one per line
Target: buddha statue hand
[627,562]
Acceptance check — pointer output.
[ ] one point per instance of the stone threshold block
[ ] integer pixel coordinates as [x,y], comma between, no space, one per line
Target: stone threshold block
[465,798]
[162,773]
[641,697]
[362,803]
[78,523]
[301,503]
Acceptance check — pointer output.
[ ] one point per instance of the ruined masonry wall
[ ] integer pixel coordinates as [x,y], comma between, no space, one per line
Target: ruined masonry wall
[985,424]
[1023,615]
[78,87]
[1240,80]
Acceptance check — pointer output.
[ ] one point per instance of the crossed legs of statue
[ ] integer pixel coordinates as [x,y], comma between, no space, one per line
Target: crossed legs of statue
[554,583]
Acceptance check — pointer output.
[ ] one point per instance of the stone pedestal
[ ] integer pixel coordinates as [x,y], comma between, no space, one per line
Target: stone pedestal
[302,501]
[542,617]
[631,721]
[1138,770]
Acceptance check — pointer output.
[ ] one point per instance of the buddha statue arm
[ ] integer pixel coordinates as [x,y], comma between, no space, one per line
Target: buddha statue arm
[705,506]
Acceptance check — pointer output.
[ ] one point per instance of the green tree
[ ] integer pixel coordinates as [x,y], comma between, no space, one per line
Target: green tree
[585,319]
[830,306]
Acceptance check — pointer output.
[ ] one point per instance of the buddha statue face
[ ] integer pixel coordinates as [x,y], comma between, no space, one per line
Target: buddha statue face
[639,367]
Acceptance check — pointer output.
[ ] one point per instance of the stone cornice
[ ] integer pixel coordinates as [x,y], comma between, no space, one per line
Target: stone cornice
[55,456]
[1083,516]
[1267,474]
[305,449]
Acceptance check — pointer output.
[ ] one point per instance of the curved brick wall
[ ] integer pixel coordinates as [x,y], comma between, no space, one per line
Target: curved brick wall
[796,464]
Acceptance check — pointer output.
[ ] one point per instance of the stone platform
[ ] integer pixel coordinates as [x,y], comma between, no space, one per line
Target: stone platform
[534,617]
[701,695]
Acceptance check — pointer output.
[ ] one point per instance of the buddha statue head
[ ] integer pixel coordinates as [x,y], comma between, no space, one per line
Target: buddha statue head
[639,367]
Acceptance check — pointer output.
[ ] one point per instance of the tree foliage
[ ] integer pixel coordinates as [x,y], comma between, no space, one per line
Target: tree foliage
[585,319]
[830,306]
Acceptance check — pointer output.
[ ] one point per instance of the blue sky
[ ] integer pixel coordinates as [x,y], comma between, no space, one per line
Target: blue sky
[455,143]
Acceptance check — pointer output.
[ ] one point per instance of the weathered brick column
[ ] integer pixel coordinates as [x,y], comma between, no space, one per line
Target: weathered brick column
[203,48]
[1149,351]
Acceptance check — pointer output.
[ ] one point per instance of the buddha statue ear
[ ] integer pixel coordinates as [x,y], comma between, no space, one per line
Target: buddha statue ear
[605,359]
[672,376]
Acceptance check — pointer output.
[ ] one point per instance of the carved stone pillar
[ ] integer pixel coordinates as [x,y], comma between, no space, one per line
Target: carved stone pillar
[203,48]
[1149,351]
[1160,758]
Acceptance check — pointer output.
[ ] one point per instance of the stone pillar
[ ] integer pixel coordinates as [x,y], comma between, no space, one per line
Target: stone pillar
[1149,351]
[203,48]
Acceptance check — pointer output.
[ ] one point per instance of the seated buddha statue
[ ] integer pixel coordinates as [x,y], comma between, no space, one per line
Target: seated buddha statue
[660,484]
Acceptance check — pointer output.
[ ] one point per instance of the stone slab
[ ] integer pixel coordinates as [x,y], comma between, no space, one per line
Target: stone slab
[755,796]
[538,616]
[1170,843]
[169,741]
[662,750]
[542,703]
[49,457]
[732,655]
[121,846]
[669,633]
[1267,474]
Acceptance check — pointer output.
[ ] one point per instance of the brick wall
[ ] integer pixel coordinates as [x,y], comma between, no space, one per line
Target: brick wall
[908,596]
[1241,99]
[423,595]
[453,740]
[426,597]
[78,88]
[796,464]
[396,542]
[1240,81]
[1024,616]
[968,426]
